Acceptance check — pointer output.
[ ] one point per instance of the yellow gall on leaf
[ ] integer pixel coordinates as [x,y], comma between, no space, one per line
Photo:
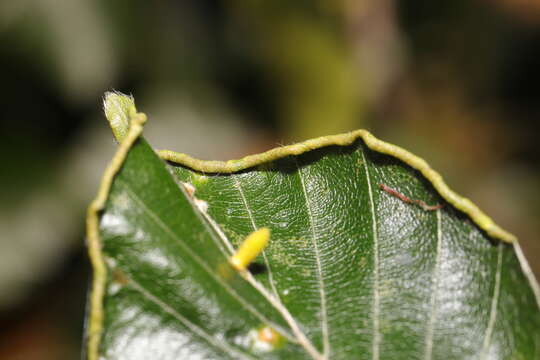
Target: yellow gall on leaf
[252,246]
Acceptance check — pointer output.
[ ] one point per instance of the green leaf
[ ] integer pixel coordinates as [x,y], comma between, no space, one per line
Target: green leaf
[351,271]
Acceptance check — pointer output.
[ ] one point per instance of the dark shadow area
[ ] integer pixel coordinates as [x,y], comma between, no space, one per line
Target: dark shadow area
[257,268]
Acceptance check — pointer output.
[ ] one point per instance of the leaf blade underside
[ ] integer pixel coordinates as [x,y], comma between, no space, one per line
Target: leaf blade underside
[363,274]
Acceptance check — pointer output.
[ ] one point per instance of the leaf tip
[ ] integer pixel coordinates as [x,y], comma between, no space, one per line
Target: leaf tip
[118,110]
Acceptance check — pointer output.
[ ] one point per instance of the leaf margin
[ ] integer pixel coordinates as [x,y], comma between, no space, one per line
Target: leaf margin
[95,318]
[481,219]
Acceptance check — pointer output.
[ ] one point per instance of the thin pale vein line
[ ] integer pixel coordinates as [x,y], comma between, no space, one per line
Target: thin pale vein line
[376,296]
[254,225]
[230,290]
[324,320]
[300,337]
[217,229]
[191,326]
[528,272]
[433,301]
[214,226]
[494,304]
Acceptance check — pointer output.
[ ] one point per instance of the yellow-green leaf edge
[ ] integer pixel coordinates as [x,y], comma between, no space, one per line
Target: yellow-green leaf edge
[127,131]
[465,205]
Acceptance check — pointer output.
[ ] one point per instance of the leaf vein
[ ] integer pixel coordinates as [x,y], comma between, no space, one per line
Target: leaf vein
[276,303]
[254,226]
[190,325]
[324,319]
[494,304]
[433,300]
[376,296]
[203,265]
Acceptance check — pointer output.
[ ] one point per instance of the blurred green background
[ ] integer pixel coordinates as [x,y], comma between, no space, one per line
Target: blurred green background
[456,82]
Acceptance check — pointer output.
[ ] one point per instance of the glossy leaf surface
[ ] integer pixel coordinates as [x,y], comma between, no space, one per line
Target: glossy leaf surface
[361,273]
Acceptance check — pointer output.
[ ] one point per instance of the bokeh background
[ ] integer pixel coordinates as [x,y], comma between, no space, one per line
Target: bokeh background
[456,82]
